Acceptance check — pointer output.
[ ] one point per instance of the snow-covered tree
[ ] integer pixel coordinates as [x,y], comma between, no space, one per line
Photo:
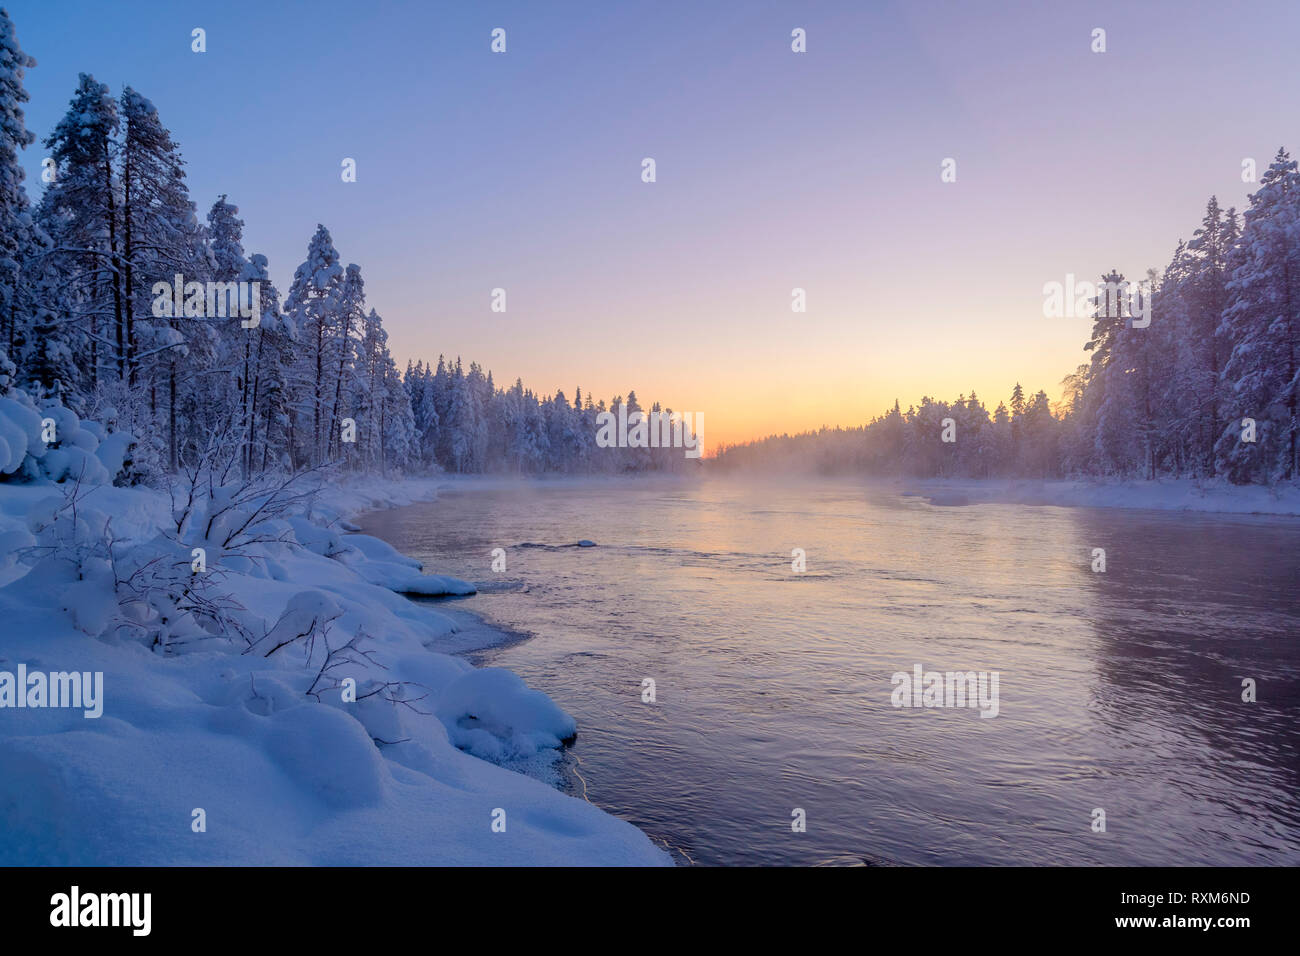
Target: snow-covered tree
[312,304]
[349,318]
[161,238]
[79,211]
[15,215]
[1261,323]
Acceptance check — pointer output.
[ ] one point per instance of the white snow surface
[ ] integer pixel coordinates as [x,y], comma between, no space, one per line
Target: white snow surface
[209,722]
[1162,494]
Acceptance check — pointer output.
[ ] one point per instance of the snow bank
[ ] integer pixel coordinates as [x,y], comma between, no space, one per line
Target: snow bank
[281,706]
[492,713]
[76,450]
[401,576]
[373,559]
[1163,495]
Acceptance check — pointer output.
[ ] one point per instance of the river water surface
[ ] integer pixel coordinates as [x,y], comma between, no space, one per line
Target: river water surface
[1119,691]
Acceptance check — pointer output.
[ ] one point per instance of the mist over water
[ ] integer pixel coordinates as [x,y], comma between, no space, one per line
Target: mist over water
[1119,690]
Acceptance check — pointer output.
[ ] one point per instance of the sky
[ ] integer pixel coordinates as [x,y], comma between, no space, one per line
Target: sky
[775,170]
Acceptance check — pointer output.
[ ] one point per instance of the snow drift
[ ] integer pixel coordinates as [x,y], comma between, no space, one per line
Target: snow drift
[267,696]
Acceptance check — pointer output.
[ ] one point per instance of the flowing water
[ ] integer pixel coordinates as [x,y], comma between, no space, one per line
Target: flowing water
[1118,691]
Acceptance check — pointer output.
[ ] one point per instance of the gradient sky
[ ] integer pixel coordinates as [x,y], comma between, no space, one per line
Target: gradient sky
[775,170]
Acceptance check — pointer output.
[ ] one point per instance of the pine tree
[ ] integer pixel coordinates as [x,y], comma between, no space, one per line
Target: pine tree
[461,422]
[1208,252]
[1259,379]
[348,319]
[161,238]
[370,388]
[235,345]
[79,213]
[398,447]
[312,304]
[15,214]
[226,241]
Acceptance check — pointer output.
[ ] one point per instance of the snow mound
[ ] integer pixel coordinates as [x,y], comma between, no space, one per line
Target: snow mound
[284,695]
[380,563]
[76,450]
[491,713]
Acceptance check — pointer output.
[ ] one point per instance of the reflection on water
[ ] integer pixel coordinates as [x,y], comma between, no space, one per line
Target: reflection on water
[1119,691]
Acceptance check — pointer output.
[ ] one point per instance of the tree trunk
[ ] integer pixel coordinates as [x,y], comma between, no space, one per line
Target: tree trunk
[129,252]
[173,458]
[317,458]
[338,384]
[115,272]
[252,404]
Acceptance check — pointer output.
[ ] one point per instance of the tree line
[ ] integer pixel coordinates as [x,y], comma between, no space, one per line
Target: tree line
[312,383]
[1208,388]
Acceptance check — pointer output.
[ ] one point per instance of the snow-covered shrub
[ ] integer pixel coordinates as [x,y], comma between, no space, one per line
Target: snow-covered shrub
[145,589]
[71,550]
[126,410]
[81,451]
[221,524]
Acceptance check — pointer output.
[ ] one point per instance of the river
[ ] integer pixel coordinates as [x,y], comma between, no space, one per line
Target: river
[1119,691]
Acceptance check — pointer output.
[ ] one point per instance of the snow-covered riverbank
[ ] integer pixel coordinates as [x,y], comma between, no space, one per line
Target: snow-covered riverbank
[1168,494]
[1162,495]
[242,743]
